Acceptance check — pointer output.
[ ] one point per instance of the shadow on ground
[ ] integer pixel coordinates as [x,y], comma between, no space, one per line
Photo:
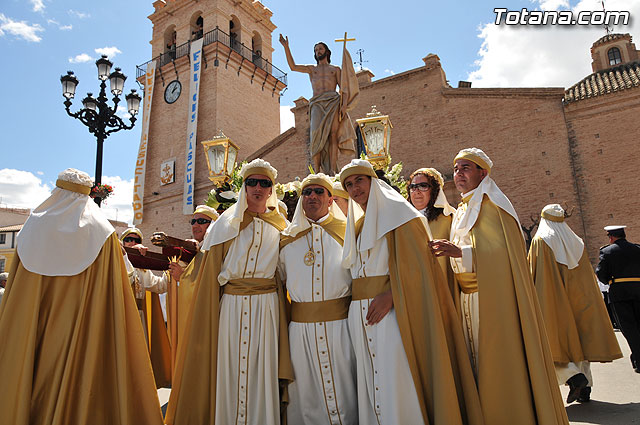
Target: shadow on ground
[604,413]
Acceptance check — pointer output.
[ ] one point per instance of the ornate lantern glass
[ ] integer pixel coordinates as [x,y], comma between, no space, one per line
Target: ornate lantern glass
[104,67]
[376,134]
[133,102]
[221,154]
[116,82]
[69,84]
[90,102]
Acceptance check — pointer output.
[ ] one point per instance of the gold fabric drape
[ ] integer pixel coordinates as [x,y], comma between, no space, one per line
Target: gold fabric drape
[430,330]
[158,343]
[577,322]
[441,229]
[516,378]
[193,395]
[72,348]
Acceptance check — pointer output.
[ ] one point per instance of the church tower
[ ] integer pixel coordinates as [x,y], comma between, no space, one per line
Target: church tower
[238,94]
[612,50]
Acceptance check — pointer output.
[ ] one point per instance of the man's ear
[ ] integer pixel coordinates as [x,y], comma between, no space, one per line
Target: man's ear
[330,200]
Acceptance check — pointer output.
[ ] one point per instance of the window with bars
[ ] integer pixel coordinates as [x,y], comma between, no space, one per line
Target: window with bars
[614,56]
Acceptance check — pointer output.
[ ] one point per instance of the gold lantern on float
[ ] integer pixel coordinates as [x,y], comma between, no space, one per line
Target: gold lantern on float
[221,154]
[376,134]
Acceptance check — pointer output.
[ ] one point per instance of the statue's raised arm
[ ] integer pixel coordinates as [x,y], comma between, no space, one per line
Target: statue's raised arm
[292,64]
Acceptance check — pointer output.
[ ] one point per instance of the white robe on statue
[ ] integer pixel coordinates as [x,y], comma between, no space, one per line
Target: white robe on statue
[247,384]
[386,392]
[324,390]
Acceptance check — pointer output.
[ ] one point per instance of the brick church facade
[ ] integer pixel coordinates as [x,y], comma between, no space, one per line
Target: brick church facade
[576,146]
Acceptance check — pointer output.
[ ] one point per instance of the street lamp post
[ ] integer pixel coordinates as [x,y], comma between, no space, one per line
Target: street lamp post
[96,114]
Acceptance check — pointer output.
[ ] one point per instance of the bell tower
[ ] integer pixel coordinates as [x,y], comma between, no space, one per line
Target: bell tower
[238,93]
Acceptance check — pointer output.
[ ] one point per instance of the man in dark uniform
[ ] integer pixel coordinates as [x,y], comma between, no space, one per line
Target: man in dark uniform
[619,267]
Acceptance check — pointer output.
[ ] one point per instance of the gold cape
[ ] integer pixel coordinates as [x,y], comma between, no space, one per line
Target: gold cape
[430,330]
[193,395]
[73,350]
[441,229]
[158,342]
[516,377]
[578,325]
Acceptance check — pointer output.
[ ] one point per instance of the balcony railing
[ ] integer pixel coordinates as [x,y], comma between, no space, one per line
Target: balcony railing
[217,36]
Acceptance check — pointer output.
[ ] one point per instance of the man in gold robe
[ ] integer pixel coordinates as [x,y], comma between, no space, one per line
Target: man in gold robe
[577,323]
[324,392]
[235,352]
[411,360]
[497,303]
[72,349]
[201,220]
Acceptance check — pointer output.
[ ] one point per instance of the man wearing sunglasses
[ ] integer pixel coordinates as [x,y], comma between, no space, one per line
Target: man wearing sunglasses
[236,342]
[186,275]
[146,288]
[324,391]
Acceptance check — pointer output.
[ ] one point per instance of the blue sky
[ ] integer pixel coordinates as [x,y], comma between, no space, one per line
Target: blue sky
[41,39]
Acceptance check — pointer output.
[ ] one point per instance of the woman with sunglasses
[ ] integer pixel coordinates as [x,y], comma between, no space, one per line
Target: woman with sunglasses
[426,194]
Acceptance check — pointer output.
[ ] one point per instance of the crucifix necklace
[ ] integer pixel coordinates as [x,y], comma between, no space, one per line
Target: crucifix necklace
[309,257]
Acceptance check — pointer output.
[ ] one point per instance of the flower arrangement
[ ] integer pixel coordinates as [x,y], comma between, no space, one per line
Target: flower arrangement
[101,191]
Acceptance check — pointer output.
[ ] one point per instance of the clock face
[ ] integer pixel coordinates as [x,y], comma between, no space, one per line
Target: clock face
[172,92]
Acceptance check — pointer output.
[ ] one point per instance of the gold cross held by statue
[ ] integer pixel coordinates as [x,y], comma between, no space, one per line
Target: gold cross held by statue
[345,39]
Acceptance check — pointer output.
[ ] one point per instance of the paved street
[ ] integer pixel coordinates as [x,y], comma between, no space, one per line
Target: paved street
[615,398]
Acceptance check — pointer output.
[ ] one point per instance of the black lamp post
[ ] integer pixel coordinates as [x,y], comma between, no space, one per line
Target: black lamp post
[96,114]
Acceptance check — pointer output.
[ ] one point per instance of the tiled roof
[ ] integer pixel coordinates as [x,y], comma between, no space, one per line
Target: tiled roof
[622,77]
[611,37]
[13,228]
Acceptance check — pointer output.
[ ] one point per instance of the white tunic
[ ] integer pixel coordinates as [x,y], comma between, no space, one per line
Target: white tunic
[386,392]
[469,304]
[247,385]
[324,390]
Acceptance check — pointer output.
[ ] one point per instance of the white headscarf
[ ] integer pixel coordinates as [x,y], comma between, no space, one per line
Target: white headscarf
[228,225]
[567,247]
[300,222]
[64,235]
[386,211]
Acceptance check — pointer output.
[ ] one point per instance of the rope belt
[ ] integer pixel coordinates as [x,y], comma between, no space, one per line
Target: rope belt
[624,279]
[468,282]
[364,288]
[320,311]
[250,286]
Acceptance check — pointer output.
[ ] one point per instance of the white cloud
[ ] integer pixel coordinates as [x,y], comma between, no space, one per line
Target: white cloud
[22,189]
[40,173]
[38,5]
[389,71]
[81,58]
[122,112]
[53,22]
[552,4]
[544,56]
[287,119]
[118,205]
[65,27]
[111,52]
[20,29]
[80,15]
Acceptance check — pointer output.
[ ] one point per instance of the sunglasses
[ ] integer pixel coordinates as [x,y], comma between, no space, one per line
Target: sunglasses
[422,187]
[254,182]
[131,239]
[199,221]
[318,190]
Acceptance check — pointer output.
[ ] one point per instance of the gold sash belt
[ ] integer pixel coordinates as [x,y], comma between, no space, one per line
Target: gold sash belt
[73,187]
[468,282]
[250,286]
[320,311]
[624,279]
[364,288]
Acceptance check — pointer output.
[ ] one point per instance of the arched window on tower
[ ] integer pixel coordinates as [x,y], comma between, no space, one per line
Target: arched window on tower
[256,47]
[234,33]
[197,28]
[614,56]
[170,43]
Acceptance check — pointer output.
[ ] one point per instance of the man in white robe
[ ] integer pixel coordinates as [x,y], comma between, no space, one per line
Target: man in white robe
[411,359]
[324,390]
[236,349]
